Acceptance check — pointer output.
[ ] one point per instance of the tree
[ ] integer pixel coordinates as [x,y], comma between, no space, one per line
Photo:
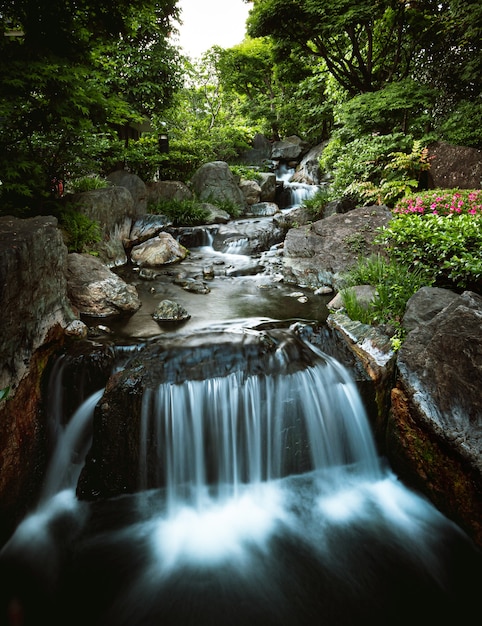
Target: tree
[364,45]
[56,95]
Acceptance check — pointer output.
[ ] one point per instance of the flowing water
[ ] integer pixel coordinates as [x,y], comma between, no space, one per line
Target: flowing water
[273,508]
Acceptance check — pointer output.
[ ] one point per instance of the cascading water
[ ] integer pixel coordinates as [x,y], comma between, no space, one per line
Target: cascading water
[272,508]
[297,192]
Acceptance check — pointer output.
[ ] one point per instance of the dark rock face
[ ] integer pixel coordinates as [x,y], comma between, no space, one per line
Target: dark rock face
[316,255]
[455,166]
[33,291]
[35,310]
[435,424]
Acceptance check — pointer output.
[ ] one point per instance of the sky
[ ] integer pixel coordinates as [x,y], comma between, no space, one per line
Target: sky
[211,22]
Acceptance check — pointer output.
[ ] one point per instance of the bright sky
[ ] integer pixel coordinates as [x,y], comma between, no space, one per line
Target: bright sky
[211,22]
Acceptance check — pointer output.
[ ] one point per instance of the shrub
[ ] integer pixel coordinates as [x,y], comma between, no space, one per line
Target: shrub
[80,232]
[181,212]
[87,183]
[317,202]
[395,283]
[438,233]
[362,162]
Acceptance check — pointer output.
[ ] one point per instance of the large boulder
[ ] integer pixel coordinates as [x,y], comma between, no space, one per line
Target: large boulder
[166,190]
[96,291]
[455,167]
[435,427]
[289,149]
[215,183]
[35,312]
[136,187]
[318,254]
[109,206]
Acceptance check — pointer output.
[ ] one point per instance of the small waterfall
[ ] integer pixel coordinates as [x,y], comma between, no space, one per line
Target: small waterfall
[275,509]
[294,193]
[221,433]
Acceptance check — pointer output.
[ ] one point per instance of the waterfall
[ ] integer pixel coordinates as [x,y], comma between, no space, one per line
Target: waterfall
[223,432]
[297,192]
[273,508]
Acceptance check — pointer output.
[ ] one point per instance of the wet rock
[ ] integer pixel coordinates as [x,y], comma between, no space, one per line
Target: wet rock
[170,311]
[435,427]
[161,250]
[96,291]
[215,183]
[146,227]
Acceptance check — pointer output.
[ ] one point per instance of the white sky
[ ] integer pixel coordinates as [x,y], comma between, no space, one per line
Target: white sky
[211,22]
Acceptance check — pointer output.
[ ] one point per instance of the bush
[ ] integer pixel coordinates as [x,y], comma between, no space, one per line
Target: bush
[80,232]
[87,183]
[362,164]
[439,234]
[316,203]
[181,212]
[395,283]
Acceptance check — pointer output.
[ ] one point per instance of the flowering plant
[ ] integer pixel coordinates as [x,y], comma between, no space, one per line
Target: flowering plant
[442,202]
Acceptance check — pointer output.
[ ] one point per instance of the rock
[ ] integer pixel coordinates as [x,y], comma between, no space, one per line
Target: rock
[251,191]
[33,291]
[164,190]
[146,227]
[109,207]
[134,185]
[170,311]
[77,329]
[267,184]
[364,295]
[161,250]
[96,291]
[308,171]
[35,311]
[319,254]
[215,215]
[425,304]
[264,209]
[255,236]
[454,167]
[260,151]
[435,426]
[215,183]
[289,149]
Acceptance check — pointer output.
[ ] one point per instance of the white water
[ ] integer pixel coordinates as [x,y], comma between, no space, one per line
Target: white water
[298,191]
[234,536]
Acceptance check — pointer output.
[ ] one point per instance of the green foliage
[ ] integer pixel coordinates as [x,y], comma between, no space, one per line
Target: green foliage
[61,86]
[462,126]
[403,106]
[87,183]
[181,212]
[317,202]
[359,166]
[402,174]
[4,393]
[395,284]
[444,247]
[80,232]
[246,172]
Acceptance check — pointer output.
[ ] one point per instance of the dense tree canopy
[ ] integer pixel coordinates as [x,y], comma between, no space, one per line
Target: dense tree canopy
[70,71]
